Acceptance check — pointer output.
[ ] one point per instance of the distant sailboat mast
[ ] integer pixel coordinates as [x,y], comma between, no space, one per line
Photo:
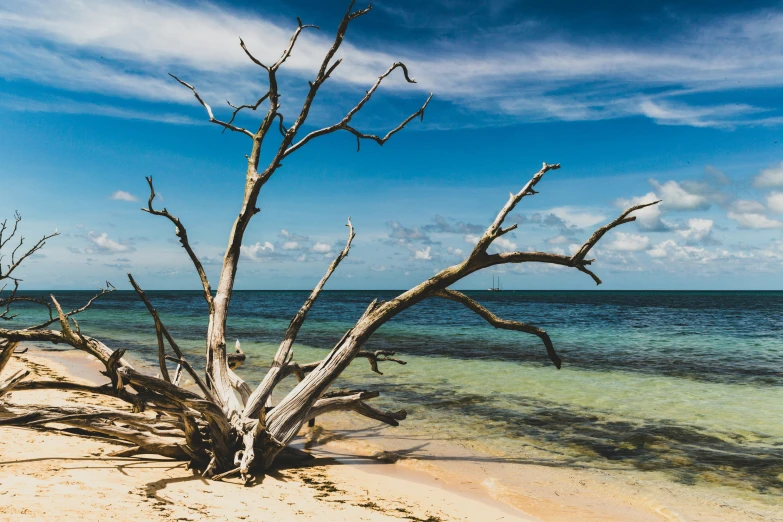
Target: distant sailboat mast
[495,288]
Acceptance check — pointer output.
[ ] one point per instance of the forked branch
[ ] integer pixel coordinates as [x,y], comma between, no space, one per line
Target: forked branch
[344,124]
[212,118]
[109,288]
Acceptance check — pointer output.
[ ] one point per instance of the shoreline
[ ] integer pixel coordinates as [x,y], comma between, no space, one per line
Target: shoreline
[389,475]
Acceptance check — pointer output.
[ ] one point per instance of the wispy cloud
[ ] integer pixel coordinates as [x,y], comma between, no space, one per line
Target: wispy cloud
[121,195]
[124,48]
[60,105]
[103,244]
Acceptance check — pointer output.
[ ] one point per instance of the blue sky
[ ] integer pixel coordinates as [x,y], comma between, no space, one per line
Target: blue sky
[672,100]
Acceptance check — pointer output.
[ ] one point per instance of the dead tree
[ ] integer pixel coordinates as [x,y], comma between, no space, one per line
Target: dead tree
[225,426]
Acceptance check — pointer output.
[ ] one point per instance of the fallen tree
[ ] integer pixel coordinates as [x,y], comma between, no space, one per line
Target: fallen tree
[225,426]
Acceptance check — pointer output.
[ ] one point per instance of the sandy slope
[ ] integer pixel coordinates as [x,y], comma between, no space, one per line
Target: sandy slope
[59,476]
[56,476]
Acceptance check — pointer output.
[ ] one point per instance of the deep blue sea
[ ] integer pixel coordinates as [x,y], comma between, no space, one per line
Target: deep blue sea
[685,383]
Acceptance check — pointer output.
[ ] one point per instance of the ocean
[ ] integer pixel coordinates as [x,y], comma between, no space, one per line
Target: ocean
[684,384]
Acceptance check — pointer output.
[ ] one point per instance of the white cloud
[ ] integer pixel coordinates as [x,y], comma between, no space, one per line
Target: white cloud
[675,197]
[624,242]
[471,239]
[578,217]
[661,250]
[700,261]
[105,245]
[121,195]
[122,47]
[648,218]
[669,113]
[454,251]
[424,253]
[744,206]
[504,244]
[258,251]
[771,177]
[378,268]
[558,240]
[321,248]
[754,220]
[291,245]
[62,105]
[698,231]
[775,202]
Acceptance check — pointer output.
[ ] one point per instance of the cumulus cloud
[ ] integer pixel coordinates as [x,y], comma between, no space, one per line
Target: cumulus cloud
[285,235]
[775,202]
[423,254]
[675,197]
[648,218]
[771,177]
[624,242]
[558,240]
[702,261]
[745,206]
[121,195]
[258,251]
[698,231]
[102,244]
[545,219]
[578,217]
[442,225]
[753,220]
[321,248]
[400,234]
[504,244]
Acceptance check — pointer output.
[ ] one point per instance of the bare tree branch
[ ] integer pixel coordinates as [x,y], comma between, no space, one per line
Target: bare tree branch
[495,230]
[237,109]
[501,323]
[212,118]
[257,400]
[379,356]
[182,234]
[598,234]
[355,402]
[109,288]
[344,123]
[15,261]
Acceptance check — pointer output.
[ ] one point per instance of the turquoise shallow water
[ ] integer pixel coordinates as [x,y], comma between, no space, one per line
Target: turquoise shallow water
[687,383]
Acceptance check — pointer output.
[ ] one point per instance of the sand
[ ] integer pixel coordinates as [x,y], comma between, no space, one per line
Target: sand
[55,475]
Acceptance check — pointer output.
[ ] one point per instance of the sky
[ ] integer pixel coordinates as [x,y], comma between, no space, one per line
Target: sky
[638,101]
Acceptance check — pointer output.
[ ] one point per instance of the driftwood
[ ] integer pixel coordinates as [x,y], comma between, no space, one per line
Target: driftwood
[228,427]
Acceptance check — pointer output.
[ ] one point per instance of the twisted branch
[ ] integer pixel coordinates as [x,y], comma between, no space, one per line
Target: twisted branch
[182,234]
[344,123]
[212,118]
[503,324]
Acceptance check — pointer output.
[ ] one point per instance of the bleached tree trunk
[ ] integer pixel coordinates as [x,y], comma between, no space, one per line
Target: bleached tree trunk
[229,427]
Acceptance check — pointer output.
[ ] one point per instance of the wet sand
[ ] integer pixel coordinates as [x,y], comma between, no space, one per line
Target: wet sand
[361,471]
